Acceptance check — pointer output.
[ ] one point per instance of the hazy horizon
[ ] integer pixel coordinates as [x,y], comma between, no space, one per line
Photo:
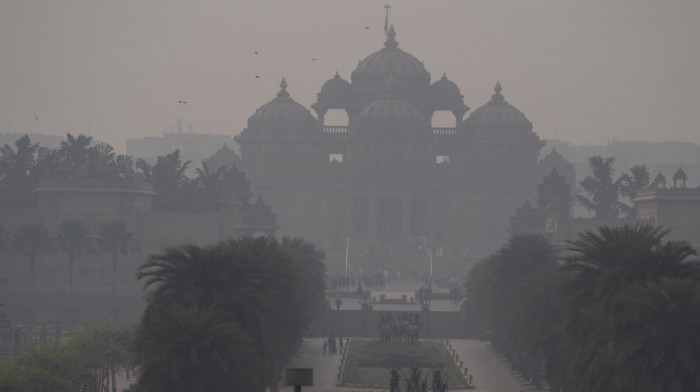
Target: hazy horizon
[584,72]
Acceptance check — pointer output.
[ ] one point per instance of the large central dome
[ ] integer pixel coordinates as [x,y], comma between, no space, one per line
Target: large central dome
[390,60]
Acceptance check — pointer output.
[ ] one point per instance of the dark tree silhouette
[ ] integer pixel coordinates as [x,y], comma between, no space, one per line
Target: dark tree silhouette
[31,239]
[114,238]
[73,239]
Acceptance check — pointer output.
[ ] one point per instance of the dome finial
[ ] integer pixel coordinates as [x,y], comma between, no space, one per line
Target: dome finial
[283,89]
[497,96]
[390,35]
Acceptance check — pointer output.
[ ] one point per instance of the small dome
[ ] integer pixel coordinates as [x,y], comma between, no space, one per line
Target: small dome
[391,109]
[336,86]
[498,112]
[282,109]
[445,88]
[390,60]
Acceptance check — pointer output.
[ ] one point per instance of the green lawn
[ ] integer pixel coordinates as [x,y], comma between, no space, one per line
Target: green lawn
[369,362]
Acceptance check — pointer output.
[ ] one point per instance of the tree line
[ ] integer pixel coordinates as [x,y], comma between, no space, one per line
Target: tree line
[72,237]
[23,166]
[619,309]
[221,317]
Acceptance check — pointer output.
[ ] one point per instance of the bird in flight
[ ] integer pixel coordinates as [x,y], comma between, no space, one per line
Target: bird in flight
[257,76]
[366,27]
[36,117]
[313,59]
[181,101]
[256,52]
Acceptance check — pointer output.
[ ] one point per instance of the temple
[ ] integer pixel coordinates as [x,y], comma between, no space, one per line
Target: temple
[397,186]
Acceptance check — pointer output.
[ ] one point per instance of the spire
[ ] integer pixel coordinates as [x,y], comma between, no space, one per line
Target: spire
[283,89]
[386,20]
[497,96]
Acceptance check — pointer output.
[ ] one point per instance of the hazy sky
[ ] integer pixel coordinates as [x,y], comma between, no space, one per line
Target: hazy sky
[582,71]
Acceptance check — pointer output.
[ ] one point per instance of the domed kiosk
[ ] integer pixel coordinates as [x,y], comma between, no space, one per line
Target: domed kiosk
[387,177]
[282,113]
[499,112]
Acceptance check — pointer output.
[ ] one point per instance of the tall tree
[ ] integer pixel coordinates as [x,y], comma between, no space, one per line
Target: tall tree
[74,151]
[209,187]
[505,285]
[603,265]
[632,183]
[170,183]
[194,349]
[32,239]
[100,160]
[656,330]
[252,282]
[16,168]
[114,238]
[602,191]
[74,239]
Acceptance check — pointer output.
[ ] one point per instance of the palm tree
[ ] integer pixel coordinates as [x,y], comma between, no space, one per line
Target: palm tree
[656,330]
[169,182]
[602,265]
[100,158]
[74,151]
[32,239]
[193,349]
[603,261]
[602,191]
[73,238]
[209,186]
[114,238]
[252,282]
[16,169]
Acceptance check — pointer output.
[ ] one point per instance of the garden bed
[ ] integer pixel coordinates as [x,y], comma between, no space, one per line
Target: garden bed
[368,363]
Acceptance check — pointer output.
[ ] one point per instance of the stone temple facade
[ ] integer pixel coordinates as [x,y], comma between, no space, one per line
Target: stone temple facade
[399,188]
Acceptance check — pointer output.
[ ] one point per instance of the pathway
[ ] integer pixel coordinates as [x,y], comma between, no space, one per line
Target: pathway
[491,372]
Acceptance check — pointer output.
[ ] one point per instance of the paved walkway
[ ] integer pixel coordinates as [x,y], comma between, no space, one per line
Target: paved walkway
[310,355]
[491,372]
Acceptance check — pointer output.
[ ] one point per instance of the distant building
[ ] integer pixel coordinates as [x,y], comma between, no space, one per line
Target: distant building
[194,147]
[388,179]
[554,202]
[676,208]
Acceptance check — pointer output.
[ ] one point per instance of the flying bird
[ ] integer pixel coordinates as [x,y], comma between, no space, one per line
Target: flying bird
[256,52]
[257,76]
[181,101]
[313,59]
[366,27]
[36,117]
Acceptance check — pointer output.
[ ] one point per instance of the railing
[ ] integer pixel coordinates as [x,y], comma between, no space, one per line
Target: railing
[335,129]
[444,131]
[342,129]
